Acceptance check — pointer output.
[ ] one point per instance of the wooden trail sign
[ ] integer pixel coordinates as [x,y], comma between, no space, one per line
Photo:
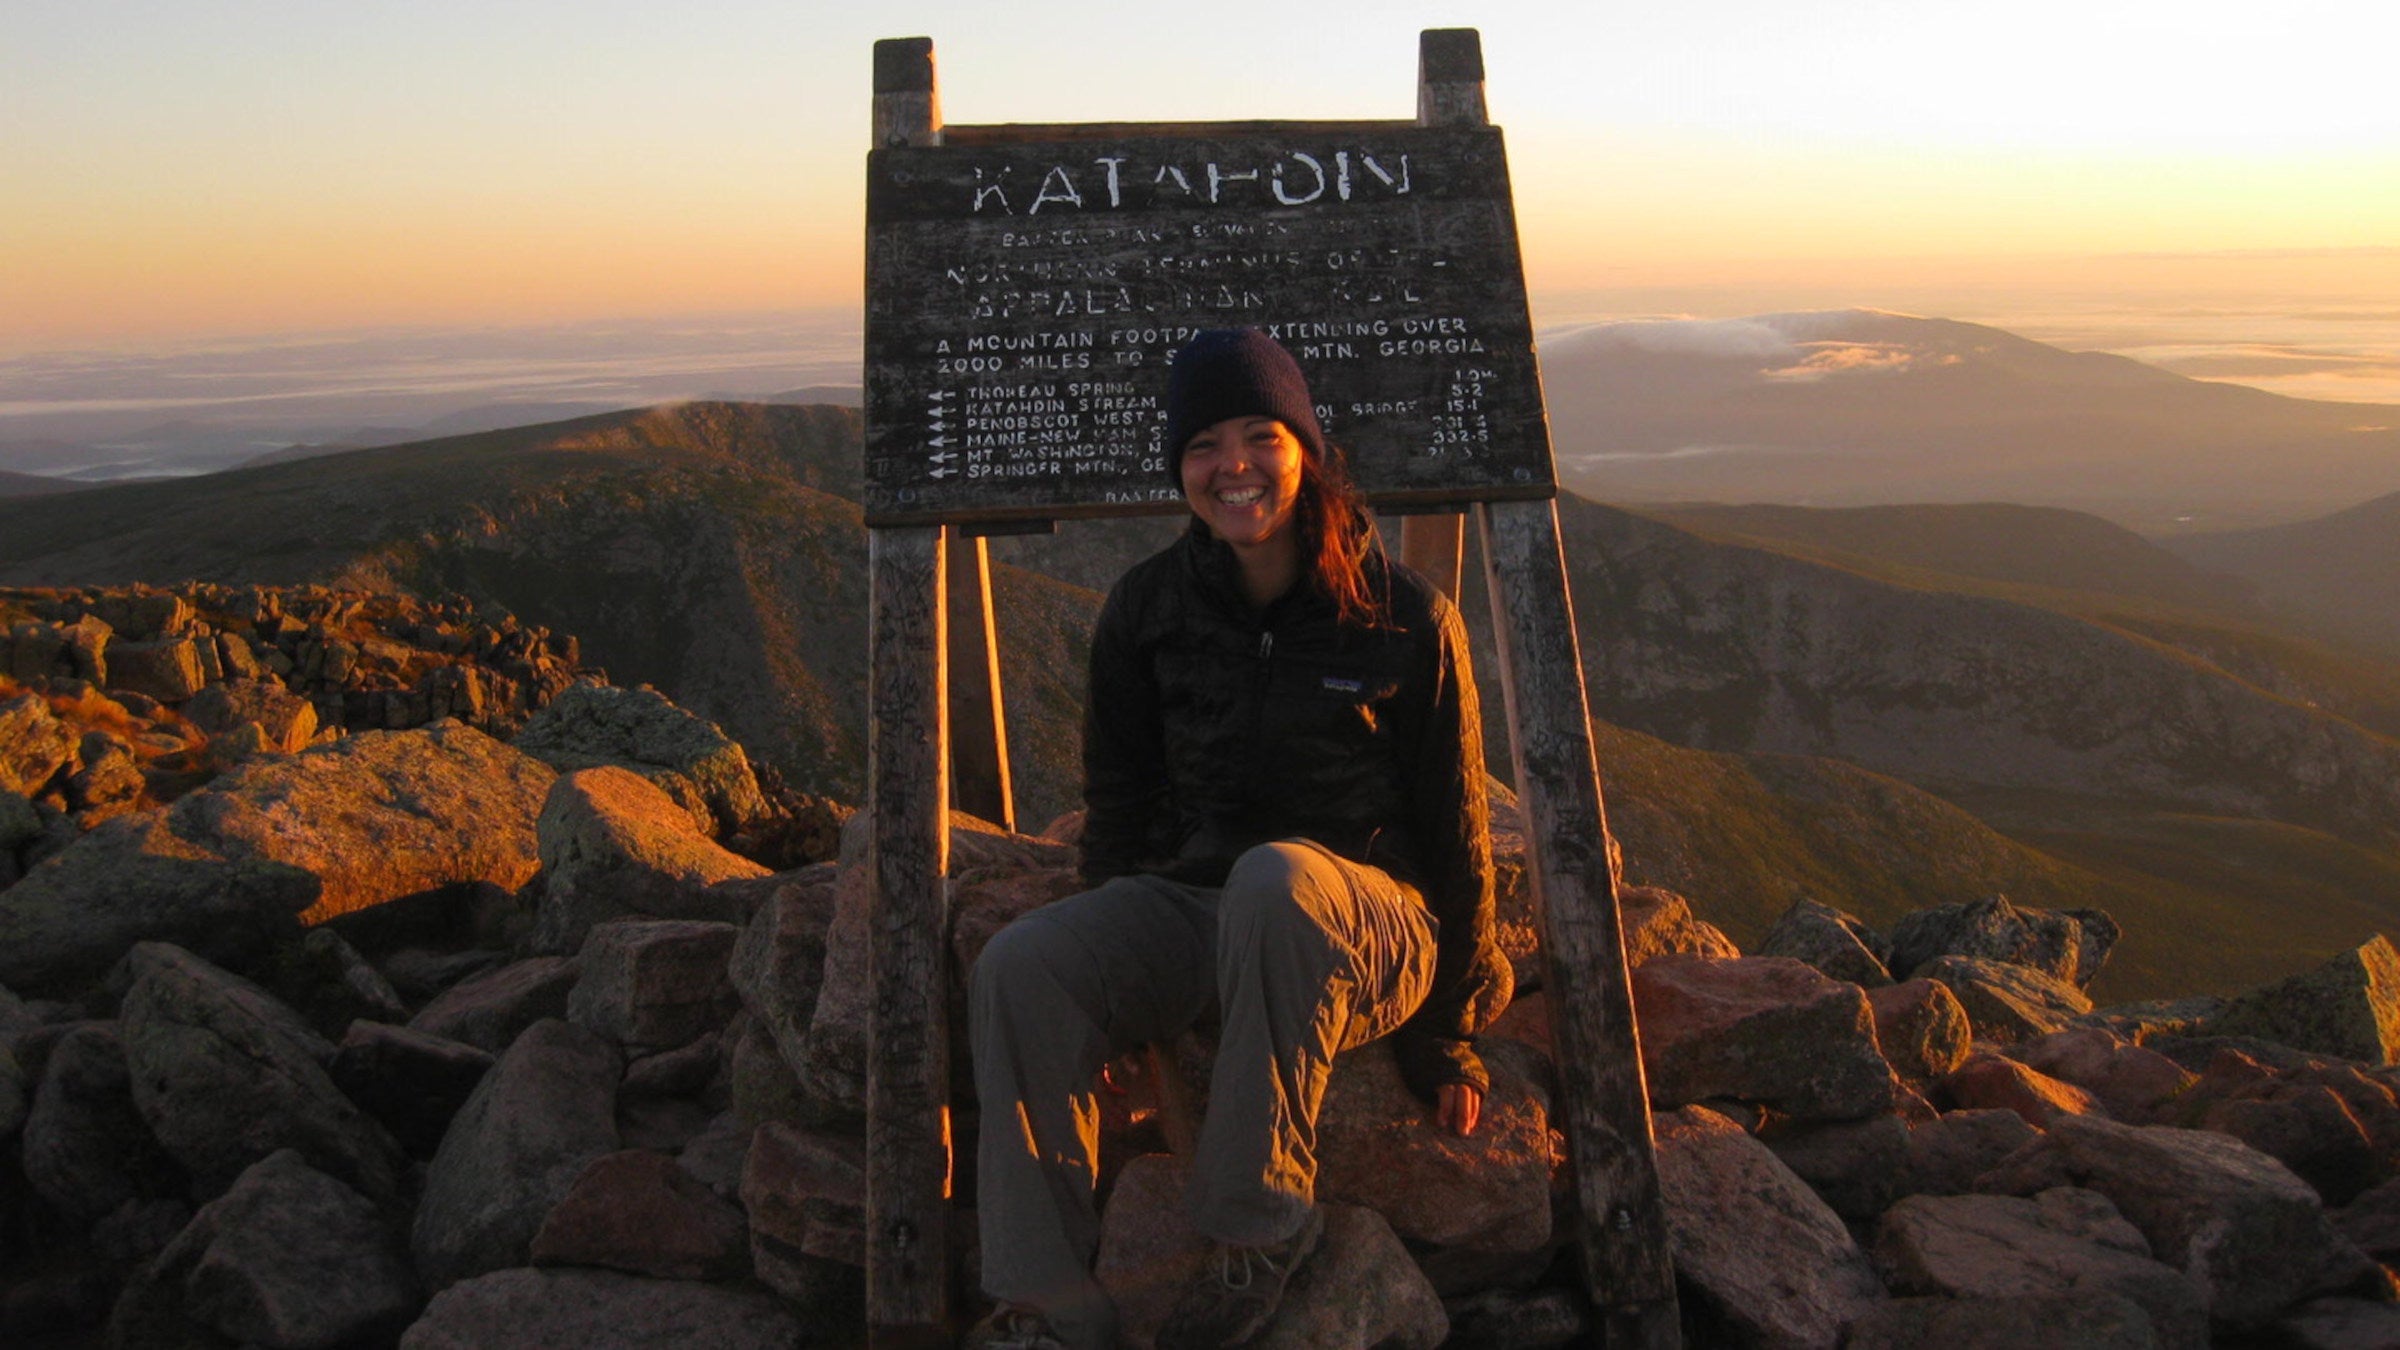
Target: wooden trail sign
[1025,287]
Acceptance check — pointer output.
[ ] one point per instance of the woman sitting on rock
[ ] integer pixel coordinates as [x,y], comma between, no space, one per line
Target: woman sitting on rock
[1285,834]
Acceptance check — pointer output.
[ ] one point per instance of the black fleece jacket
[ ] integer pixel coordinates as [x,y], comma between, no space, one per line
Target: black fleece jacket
[1212,727]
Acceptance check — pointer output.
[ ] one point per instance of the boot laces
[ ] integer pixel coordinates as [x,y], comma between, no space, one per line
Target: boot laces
[1238,1267]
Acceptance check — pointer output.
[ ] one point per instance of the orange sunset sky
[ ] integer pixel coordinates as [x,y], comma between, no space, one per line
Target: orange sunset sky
[171,171]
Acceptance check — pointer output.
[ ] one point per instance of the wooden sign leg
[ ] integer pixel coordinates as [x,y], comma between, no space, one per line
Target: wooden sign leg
[1606,1103]
[978,729]
[908,1037]
[1431,545]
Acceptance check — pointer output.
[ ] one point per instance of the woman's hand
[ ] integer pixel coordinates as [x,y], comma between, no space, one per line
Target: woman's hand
[1457,1107]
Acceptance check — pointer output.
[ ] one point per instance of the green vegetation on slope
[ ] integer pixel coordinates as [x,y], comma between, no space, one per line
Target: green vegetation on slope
[1745,835]
[2343,569]
[2081,566]
[2209,904]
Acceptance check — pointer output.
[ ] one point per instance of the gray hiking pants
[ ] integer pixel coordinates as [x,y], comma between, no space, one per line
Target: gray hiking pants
[1303,954]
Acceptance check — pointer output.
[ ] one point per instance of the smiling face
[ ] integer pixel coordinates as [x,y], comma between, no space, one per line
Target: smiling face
[1242,478]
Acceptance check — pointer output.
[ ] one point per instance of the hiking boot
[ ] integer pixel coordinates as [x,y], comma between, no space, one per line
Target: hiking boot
[1237,1295]
[1013,1326]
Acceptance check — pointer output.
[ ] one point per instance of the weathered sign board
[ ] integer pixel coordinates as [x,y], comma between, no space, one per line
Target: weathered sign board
[1024,299]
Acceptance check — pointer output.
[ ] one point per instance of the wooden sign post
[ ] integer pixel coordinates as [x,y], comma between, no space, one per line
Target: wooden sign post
[1026,285]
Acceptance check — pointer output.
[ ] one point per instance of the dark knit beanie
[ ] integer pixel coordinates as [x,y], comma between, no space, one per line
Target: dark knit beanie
[1236,372]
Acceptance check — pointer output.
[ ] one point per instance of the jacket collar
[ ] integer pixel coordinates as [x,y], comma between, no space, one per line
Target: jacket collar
[1217,574]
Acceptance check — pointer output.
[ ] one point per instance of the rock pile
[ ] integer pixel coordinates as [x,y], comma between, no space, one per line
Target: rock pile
[113,701]
[561,1068]
[361,659]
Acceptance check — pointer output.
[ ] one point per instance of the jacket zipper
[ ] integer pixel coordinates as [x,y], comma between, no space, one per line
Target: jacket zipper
[1258,711]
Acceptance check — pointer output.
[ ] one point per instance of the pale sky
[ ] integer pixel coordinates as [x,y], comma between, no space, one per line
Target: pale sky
[171,170]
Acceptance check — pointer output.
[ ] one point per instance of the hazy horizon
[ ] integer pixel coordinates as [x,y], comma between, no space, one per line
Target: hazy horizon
[254,169]
[335,383]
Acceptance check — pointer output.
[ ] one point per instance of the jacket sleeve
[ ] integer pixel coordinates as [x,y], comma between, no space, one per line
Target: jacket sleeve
[1472,980]
[1124,761]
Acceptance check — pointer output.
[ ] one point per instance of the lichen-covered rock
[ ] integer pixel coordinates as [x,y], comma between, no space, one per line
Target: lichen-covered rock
[2349,1006]
[1513,1319]
[1149,1251]
[1838,944]
[1922,1028]
[419,974]
[1857,1166]
[143,613]
[685,1071]
[1754,1239]
[410,1080]
[654,985]
[529,1309]
[1360,1290]
[1657,922]
[87,1149]
[832,1066]
[640,1213]
[2005,1002]
[2068,945]
[807,1192]
[806,1196]
[2372,1220]
[614,846]
[379,815]
[134,880]
[2133,1084]
[1946,1155]
[15,1092]
[544,1111]
[488,1011]
[34,744]
[291,1259]
[2058,1242]
[2339,1324]
[2076,1321]
[20,824]
[590,725]
[325,980]
[1759,1029]
[225,1075]
[2313,1119]
[286,721]
[110,781]
[764,1086]
[168,670]
[1378,1146]
[31,651]
[2249,1235]
[1995,1083]
[983,905]
[779,963]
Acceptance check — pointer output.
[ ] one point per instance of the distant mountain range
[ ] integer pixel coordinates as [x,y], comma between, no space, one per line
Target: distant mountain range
[1859,407]
[1877,708]
[1832,408]
[2343,570]
[34,484]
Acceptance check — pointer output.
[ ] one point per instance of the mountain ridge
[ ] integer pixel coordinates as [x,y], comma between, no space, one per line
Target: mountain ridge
[2343,567]
[1853,408]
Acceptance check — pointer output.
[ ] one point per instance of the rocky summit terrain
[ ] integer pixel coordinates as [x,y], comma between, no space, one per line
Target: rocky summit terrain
[358,1012]
[377,972]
